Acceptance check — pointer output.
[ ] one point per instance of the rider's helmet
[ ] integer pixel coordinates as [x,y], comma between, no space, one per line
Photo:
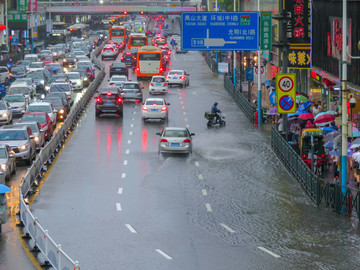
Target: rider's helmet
[215,104]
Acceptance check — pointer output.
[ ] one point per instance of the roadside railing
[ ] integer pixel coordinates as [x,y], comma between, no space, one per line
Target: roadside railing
[43,242]
[211,63]
[242,102]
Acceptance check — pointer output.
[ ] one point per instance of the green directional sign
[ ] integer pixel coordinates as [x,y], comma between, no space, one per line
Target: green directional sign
[22,5]
[18,17]
[265,31]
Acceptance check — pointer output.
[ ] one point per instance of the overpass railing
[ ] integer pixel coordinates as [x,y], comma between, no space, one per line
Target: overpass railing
[42,3]
[43,242]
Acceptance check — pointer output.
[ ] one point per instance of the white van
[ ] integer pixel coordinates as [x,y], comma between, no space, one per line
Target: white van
[32,57]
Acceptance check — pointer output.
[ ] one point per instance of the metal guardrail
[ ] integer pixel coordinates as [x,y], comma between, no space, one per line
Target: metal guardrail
[43,242]
[242,102]
[211,63]
[118,3]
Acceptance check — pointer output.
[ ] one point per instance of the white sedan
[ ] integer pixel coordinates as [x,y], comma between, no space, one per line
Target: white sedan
[6,115]
[155,108]
[179,77]
[117,80]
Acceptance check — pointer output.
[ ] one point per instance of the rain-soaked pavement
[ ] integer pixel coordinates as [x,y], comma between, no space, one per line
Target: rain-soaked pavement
[113,203]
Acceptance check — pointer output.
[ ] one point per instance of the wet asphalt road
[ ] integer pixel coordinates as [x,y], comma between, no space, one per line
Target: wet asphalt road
[113,203]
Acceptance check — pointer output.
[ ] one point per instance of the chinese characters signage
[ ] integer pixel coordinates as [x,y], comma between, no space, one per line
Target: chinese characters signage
[299,25]
[334,38]
[299,58]
[22,17]
[265,31]
[22,5]
[220,31]
[32,5]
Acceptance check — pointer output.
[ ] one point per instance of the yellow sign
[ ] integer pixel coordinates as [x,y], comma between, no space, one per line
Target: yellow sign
[286,93]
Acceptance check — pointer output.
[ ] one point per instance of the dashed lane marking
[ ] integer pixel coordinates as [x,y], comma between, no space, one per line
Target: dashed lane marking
[131,229]
[187,126]
[127,151]
[134,112]
[208,207]
[163,254]
[132,125]
[227,227]
[184,113]
[133,119]
[120,190]
[200,177]
[183,107]
[125,162]
[186,119]
[204,192]
[197,164]
[123,175]
[118,207]
[129,141]
[269,252]
[130,133]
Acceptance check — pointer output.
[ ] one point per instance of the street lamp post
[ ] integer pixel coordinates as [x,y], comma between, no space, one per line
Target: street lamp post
[259,80]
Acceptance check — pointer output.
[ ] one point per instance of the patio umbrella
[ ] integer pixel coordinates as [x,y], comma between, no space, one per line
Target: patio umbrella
[4,189]
[306,116]
[304,106]
[301,98]
[272,111]
[325,118]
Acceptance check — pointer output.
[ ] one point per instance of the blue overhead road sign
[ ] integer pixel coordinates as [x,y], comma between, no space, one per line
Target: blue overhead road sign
[226,31]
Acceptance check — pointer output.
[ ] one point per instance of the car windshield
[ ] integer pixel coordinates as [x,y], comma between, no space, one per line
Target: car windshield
[175,133]
[83,64]
[17,98]
[73,76]
[35,76]
[18,90]
[28,80]
[39,108]
[57,78]
[54,101]
[2,106]
[34,117]
[3,153]
[57,94]
[154,102]
[175,73]
[158,80]
[37,65]
[46,58]
[13,135]
[33,126]
[60,87]
[131,86]
[23,62]
[18,69]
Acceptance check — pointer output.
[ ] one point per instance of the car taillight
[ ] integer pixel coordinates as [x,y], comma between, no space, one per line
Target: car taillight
[108,94]
[98,100]
[304,156]
[167,77]
[114,50]
[163,140]
[164,108]
[151,84]
[119,100]
[187,141]
[102,50]
[111,83]
[122,58]
[144,108]
[161,69]
[182,77]
[137,69]
[166,57]
[156,45]
[134,58]
[165,84]
[168,52]
[128,53]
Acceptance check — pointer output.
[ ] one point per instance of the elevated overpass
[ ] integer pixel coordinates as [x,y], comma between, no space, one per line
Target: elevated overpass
[112,7]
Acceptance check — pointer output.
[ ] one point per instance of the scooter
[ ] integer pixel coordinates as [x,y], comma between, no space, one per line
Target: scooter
[211,117]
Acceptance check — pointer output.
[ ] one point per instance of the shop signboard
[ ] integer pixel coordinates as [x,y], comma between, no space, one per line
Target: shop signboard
[19,17]
[299,25]
[286,93]
[299,58]
[334,38]
[33,5]
[223,67]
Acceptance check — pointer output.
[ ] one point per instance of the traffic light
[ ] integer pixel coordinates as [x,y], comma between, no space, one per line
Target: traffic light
[141,12]
[125,12]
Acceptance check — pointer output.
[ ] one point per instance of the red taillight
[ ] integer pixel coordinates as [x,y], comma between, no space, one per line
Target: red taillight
[187,141]
[122,58]
[137,69]
[161,69]
[167,77]
[182,77]
[166,57]
[168,52]
[98,100]
[144,108]
[114,50]
[134,58]
[304,156]
[108,94]
[102,50]
[10,73]
[163,140]
[119,100]
[151,84]
[165,84]
[111,83]
[128,53]
[164,108]
[156,44]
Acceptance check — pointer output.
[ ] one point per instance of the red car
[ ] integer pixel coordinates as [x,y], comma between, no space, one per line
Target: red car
[47,59]
[43,118]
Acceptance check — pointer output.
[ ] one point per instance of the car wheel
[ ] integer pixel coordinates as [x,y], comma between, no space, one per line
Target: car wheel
[97,114]
[121,114]
[102,58]
[28,161]
[183,85]
[188,83]
[14,168]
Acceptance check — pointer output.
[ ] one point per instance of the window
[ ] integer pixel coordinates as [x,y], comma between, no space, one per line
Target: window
[149,56]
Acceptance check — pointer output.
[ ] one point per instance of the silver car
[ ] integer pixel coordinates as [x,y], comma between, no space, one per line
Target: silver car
[36,131]
[132,90]
[179,77]
[158,85]
[6,115]
[7,162]
[175,140]
[18,103]
[109,51]
[20,142]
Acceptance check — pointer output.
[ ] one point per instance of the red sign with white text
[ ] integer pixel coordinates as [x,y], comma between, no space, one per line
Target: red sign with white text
[32,5]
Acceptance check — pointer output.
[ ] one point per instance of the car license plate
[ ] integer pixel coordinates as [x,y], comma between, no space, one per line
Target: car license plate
[130,92]
[108,104]
[158,84]
[118,69]
[175,144]
[175,78]
[154,110]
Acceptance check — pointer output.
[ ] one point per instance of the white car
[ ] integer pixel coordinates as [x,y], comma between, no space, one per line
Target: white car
[155,108]
[117,80]
[158,85]
[18,103]
[76,80]
[179,77]
[4,73]
[6,115]
[43,107]
[36,66]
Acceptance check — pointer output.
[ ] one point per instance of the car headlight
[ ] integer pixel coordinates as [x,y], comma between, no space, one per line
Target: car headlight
[23,147]
[61,111]
[47,87]
[42,82]
[3,167]
[4,115]
[85,79]
[64,60]
[36,139]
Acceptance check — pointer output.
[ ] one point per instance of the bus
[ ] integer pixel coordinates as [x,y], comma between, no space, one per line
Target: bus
[118,34]
[149,62]
[79,30]
[59,36]
[59,26]
[137,40]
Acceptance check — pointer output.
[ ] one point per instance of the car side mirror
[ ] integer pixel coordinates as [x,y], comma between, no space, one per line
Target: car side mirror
[167,103]
[31,137]
[158,133]
[11,155]
[192,134]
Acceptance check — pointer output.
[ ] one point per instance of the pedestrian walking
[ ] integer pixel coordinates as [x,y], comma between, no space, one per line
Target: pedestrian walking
[356,157]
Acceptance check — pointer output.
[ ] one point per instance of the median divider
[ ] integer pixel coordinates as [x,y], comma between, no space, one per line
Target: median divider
[43,242]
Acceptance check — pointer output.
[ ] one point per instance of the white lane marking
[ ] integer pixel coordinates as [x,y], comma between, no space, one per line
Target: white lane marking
[200,177]
[132,125]
[227,227]
[208,207]
[185,119]
[183,107]
[120,190]
[130,133]
[127,151]
[197,164]
[204,192]
[125,162]
[184,113]
[134,112]
[133,119]
[129,141]
[163,254]
[269,252]
[118,206]
[131,229]
[182,102]
[123,175]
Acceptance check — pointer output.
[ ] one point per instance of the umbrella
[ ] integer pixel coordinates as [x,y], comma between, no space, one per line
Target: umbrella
[272,111]
[329,144]
[4,189]
[331,112]
[356,133]
[301,98]
[325,118]
[319,114]
[270,82]
[306,116]
[327,129]
[332,135]
[305,105]
[355,144]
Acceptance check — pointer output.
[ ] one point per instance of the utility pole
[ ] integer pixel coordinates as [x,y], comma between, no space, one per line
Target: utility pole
[259,79]
[234,53]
